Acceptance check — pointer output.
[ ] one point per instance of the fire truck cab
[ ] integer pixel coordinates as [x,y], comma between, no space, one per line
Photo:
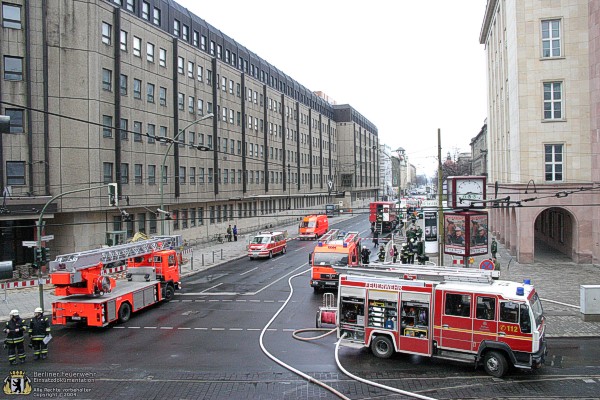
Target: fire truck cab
[335,248]
[313,226]
[454,314]
[383,216]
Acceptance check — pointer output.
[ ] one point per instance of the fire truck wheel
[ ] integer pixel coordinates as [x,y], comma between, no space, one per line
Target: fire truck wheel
[124,312]
[382,347]
[495,364]
[318,320]
[169,292]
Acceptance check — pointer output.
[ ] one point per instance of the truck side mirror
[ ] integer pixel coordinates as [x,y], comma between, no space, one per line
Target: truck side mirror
[310,257]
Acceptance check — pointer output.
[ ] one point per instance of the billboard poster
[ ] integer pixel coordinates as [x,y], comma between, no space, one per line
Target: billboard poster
[454,227]
[431,232]
[479,234]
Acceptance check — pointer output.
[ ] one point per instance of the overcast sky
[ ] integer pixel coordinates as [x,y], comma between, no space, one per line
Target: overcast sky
[409,66]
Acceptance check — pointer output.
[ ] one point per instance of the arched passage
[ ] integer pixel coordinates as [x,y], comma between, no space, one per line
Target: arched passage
[554,237]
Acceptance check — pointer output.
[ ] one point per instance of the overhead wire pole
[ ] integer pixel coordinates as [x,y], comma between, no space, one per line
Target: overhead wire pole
[440,189]
[162,167]
[39,235]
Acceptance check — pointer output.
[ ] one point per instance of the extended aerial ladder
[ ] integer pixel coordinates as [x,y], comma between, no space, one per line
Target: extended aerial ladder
[425,272]
[83,273]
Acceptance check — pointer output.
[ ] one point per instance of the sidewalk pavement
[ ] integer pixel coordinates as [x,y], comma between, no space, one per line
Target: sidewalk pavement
[557,282]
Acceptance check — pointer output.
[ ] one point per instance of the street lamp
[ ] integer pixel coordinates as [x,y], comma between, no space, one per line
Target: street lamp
[162,167]
[401,157]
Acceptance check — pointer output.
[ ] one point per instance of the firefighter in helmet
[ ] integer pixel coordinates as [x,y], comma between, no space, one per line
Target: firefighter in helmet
[365,255]
[39,328]
[381,253]
[15,330]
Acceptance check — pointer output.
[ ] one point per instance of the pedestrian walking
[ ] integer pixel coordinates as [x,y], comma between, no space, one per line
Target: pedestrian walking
[229,233]
[39,331]
[235,233]
[15,330]
[375,239]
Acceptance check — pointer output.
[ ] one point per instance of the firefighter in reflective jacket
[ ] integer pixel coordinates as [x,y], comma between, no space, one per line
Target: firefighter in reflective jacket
[365,255]
[39,328]
[381,254]
[15,330]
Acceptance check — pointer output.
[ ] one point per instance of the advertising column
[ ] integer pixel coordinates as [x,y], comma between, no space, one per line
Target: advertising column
[430,219]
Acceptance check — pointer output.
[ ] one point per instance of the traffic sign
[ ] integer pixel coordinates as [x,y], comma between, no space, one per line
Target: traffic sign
[29,243]
[486,264]
[47,238]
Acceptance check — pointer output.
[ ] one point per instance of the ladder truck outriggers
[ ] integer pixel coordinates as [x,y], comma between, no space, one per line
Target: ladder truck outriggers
[445,313]
[334,249]
[93,298]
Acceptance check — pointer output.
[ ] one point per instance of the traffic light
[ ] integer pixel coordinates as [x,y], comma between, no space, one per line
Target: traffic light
[113,195]
[45,255]
[38,254]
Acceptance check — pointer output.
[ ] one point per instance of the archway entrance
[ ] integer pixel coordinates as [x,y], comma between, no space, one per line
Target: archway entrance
[554,236]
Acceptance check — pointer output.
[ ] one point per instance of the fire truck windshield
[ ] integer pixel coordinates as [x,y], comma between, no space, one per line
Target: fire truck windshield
[536,308]
[310,224]
[330,259]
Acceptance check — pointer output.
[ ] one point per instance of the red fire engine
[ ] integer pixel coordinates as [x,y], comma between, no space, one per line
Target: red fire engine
[454,314]
[383,216]
[334,249]
[95,299]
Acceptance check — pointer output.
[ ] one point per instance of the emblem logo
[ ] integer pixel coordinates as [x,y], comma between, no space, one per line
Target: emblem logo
[17,383]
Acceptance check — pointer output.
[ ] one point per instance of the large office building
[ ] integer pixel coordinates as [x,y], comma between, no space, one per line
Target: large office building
[542,145]
[103,91]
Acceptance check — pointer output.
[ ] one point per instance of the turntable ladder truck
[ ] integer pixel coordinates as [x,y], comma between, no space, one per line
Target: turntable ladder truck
[93,298]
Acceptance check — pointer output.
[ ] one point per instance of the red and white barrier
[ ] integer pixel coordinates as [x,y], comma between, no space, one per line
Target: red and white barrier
[23,284]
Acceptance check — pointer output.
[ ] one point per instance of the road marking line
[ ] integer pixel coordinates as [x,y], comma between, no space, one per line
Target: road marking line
[201,329]
[235,329]
[217,329]
[133,327]
[166,327]
[242,301]
[250,270]
[186,300]
[253,329]
[212,287]
[150,327]
[119,327]
[269,301]
[184,328]
[226,301]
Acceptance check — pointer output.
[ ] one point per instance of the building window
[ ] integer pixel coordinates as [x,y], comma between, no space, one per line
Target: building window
[199,73]
[192,175]
[106,33]
[201,175]
[150,92]
[180,62]
[191,104]
[180,101]
[151,174]
[209,77]
[152,225]
[164,173]
[190,69]
[156,16]
[137,46]
[123,129]
[107,171]
[551,38]
[176,28]
[137,88]
[210,175]
[195,36]
[553,161]
[162,96]
[203,43]
[124,173]
[106,79]
[137,131]
[123,85]
[182,175]
[107,126]
[123,40]
[185,33]
[150,52]
[200,107]
[162,57]
[13,68]
[15,172]
[552,100]
[130,5]
[145,10]
[11,16]
[151,133]
[163,134]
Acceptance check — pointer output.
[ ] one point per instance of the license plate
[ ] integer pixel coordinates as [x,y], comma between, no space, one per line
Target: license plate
[255,253]
[76,318]
[330,283]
